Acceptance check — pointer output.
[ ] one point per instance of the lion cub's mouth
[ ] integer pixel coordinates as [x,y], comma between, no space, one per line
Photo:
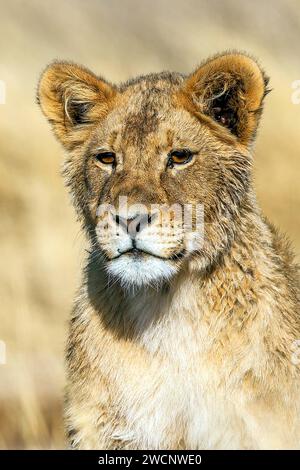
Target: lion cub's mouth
[138,253]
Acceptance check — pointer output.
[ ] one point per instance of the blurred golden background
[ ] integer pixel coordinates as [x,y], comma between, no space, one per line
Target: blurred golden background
[41,245]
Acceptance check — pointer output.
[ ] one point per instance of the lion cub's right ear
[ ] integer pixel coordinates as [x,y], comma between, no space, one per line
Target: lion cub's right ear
[230,88]
[73,99]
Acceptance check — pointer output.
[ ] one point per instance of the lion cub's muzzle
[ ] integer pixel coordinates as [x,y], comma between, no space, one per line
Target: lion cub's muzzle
[149,233]
[144,246]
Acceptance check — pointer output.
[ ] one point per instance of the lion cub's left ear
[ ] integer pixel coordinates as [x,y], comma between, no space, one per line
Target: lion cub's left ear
[230,89]
[73,99]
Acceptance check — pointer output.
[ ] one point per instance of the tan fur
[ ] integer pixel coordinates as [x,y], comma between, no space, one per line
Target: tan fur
[203,360]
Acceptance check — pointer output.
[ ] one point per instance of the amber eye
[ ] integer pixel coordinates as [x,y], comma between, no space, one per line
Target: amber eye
[108,158]
[179,157]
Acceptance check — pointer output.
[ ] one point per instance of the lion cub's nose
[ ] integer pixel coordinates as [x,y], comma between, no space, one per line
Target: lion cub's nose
[134,225]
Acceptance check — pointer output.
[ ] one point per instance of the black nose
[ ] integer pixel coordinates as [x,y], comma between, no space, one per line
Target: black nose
[135,224]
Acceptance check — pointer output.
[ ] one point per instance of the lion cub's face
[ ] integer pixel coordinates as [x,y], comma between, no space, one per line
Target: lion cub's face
[158,167]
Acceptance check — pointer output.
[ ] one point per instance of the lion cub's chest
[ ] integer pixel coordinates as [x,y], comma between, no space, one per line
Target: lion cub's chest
[177,399]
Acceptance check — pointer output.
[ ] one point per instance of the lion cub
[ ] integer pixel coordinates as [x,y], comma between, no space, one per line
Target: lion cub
[184,334]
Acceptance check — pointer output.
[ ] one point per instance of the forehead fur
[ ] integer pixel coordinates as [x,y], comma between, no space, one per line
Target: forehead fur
[160,81]
[145,99]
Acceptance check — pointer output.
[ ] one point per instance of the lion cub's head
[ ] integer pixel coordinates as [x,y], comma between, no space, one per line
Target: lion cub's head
[159,167]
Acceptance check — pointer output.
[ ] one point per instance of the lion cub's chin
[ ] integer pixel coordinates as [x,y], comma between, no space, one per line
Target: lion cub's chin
[136,272]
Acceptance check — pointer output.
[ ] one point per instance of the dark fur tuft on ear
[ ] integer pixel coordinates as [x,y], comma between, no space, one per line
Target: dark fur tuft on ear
[78,112]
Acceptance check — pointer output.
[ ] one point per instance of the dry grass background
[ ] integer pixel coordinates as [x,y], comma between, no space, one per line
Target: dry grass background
[41,249]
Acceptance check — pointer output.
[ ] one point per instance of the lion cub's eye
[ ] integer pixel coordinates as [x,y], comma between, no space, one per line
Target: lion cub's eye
[179,157]
[108,158]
